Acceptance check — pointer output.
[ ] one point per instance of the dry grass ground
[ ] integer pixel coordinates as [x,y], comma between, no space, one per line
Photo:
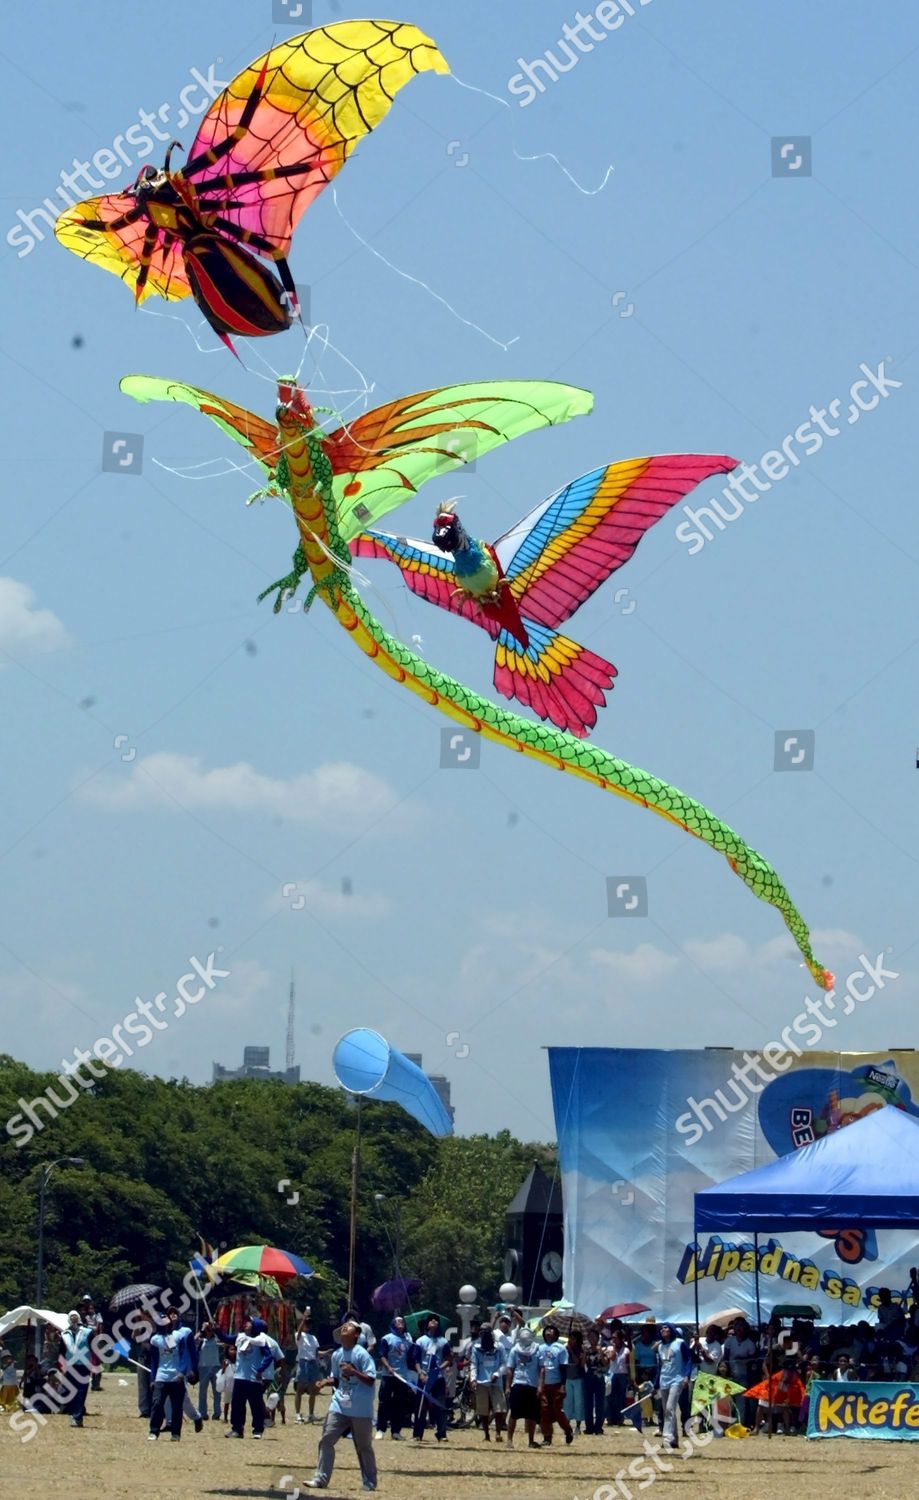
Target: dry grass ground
[111,1459]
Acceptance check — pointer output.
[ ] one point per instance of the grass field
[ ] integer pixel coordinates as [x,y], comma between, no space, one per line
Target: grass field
[111,1459]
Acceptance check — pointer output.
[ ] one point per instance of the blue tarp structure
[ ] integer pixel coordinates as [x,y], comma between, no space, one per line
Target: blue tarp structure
[864,1175]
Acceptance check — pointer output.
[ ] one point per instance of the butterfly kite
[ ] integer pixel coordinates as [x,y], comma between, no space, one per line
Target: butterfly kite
[335,482]
[532,579]
[267,146]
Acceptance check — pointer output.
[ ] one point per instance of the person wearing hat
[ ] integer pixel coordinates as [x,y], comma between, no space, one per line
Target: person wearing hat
[173,1361]
[522,1384]
[505,1334]
[433,1358]
[256,1353]
[396,1403]
[350,1411]
[368,1339]
[77,1352]
[94,1322]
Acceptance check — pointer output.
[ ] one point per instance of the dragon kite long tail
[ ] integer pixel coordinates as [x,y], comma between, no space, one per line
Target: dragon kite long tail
[308,481]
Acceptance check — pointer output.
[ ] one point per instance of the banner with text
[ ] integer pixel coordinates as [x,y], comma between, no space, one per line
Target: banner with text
[876,1409]
[640,1131]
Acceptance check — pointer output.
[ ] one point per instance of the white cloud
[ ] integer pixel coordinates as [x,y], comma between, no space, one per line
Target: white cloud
[646,964]
[331,793]
[33,1000]
[725,954]
[242,995]
[24,628]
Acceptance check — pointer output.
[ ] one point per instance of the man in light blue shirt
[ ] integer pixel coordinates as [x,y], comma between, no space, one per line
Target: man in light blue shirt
[75,1346]
[488,1366]
[504,1338]
[350,1410]
[553,1374]
[257,1353]
[434,1357]
[396,1387]
[674,1367]
[522,1380]
[173,1360]
[208,1368]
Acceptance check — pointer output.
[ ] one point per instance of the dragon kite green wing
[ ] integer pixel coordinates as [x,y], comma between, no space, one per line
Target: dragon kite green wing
[383,456]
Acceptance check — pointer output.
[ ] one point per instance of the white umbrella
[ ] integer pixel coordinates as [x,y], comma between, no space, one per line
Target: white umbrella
[723,1318]
[19,1315]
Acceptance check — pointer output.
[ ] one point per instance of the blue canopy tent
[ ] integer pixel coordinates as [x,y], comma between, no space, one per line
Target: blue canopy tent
[865,1175]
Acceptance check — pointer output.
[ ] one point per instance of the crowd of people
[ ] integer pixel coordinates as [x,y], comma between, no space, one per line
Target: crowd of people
[571,1376]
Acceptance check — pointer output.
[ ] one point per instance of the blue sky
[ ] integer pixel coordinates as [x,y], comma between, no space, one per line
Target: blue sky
[709,305]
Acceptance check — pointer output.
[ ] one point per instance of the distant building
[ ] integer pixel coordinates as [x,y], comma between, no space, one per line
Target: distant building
[439,1082]
[256,1064]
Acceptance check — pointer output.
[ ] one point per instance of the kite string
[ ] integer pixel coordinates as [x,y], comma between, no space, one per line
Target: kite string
[416,280]
[541,155]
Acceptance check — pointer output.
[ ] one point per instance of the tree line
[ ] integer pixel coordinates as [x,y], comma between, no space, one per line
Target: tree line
[168,1161]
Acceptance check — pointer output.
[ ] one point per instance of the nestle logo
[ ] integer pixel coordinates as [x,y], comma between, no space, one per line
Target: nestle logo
[885,1080]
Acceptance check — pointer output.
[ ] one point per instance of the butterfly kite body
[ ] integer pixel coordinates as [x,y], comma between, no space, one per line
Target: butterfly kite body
[268,145]
[534,578]
[402,445]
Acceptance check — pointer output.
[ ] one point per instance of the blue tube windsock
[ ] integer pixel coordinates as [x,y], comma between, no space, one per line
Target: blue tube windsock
[366,1064]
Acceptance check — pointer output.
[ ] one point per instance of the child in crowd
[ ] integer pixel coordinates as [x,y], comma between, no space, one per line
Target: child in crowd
[226,1378]
[9,1382]
[723,1412]
[814,1372]
[278,1388]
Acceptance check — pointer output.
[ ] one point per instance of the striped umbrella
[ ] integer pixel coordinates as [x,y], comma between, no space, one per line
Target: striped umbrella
[263,1259]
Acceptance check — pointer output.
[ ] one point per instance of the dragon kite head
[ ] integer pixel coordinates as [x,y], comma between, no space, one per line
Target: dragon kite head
[293,399]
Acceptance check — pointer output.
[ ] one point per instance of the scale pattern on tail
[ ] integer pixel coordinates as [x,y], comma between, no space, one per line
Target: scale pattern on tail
[579,758]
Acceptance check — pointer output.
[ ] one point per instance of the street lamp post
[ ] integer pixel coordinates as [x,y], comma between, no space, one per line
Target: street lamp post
[467,1308]
[46,1170]
[380,1199]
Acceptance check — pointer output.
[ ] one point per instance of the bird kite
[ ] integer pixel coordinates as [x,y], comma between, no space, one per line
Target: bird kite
[534,578]
[265,149]
[318,474]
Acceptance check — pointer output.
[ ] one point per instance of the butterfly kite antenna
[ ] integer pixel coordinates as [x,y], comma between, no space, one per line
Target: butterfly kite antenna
[173,146]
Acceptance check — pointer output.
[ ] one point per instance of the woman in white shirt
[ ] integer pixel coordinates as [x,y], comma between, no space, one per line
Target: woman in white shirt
[709,1349]
[308,1372]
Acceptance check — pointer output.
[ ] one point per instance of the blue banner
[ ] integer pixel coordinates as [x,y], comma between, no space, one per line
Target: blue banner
[640,1131]
[863,1409]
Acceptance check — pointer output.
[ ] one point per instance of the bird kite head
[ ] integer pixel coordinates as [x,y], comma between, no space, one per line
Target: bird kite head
[448,533]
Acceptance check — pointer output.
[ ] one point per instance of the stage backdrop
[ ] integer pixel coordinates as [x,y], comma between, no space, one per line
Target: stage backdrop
[640,1131]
